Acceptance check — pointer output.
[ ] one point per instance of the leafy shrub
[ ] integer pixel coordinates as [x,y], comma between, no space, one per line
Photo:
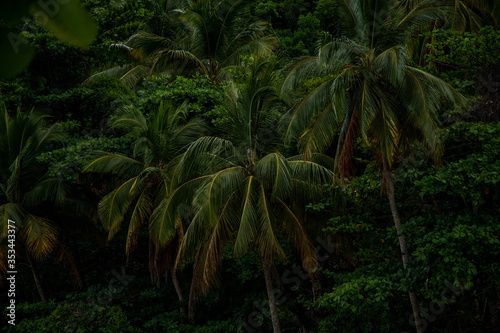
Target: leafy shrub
[460,58]
[72,317]
[68,161]
[90,104]
[203,97]
[175,322]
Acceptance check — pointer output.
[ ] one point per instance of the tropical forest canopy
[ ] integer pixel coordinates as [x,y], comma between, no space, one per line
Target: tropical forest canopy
[250,166]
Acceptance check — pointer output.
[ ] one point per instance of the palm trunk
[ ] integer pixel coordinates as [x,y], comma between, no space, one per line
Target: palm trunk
[192,290]
[177,287]
[77,263]
[270,294]
[36,277]
[402,242]
[153,269]
[78,280]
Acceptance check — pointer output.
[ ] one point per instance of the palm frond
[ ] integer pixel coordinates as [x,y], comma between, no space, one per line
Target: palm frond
[11,211]
[273,170]
[119,164]
[51,189]
[247,230]
[39,235]
[140,214]
[301,114]
[267,241]
[162,223]
[294,228]
[114,206]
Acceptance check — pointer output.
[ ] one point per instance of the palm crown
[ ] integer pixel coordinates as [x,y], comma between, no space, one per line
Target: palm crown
[159,138]
[375,91]
[25,186]
[23,183]
[205,36]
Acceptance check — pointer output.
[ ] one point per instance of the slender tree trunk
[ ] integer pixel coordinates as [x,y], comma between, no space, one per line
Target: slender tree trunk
[402,242]
[270,294]
[192,290]
[177,287]
[36,277]
[153,269]
[78,263]
[78,280]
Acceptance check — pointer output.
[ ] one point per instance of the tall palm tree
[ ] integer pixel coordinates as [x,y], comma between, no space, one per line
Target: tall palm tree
[146,178]
[243,190]
[375,94]
[163,25]
[185,37]
[25,186]
[211,37]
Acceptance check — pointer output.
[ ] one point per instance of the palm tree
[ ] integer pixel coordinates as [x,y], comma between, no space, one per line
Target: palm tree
[374,94]
[164,25]
[243,190]
[146,178]
[210,37]
[25,186]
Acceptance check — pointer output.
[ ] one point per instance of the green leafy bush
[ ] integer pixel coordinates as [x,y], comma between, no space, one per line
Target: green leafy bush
[460,57]
[202,97]
[72,317]
[67,162]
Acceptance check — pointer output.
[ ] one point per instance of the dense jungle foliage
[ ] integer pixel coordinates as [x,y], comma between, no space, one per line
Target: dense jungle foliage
[250,166]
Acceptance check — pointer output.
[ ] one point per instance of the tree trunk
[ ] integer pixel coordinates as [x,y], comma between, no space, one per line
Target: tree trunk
[194,284]
[78,262]
[270,294]
[402,242]
[36,278]
[75,270]
[153,268]
[177,287]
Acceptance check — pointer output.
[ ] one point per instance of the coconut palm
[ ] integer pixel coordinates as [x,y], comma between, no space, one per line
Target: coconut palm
[213,36]
[165,23]
[374,93]
[243,190]
[146,178]
[25,186]
[203,36]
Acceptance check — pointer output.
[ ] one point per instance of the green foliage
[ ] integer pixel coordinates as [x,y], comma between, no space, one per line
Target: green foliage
[283,14]
[108,95]
[363,303]
[470,173]
[178,323]
[202,97]
[303,40]
[73,317]
[65,163]
[91,104]
[118,20]
[460,57]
